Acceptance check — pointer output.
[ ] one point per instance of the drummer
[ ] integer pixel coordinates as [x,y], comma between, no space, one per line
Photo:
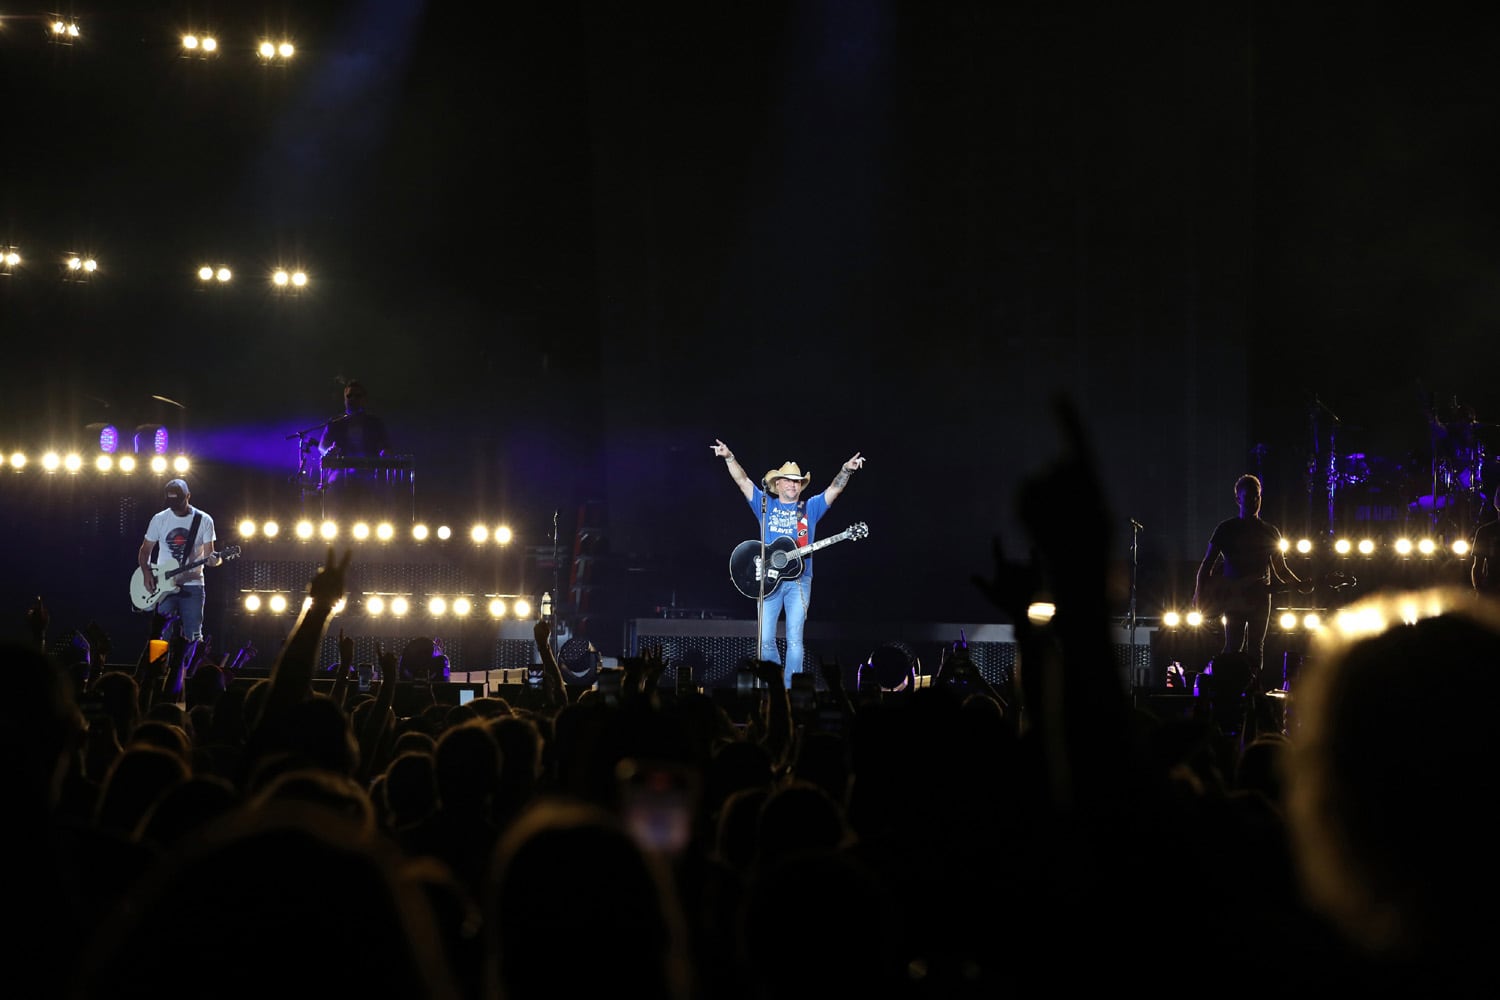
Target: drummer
[1458,452]
[354,434]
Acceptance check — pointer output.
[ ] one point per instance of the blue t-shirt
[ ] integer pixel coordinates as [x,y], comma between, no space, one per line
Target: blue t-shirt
[798,521]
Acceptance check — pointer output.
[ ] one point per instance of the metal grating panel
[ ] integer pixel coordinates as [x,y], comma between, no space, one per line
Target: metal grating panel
[712,658]
[513,654]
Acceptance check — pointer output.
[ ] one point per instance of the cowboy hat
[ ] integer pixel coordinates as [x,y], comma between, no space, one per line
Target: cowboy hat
[788,471]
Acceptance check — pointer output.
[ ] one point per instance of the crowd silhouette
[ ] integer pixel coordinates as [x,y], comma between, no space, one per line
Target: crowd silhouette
[230,839]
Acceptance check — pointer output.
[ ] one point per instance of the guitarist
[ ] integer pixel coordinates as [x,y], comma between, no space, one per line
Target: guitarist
[182,533]
[787,514]
[1250,552]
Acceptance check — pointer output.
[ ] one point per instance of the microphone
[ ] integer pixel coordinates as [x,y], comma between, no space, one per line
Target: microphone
[1138,526]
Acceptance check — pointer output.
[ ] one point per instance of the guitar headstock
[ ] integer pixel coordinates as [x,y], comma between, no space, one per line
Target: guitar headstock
[858,530]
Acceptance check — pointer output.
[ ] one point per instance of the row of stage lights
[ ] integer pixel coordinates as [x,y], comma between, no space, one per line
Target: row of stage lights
[78,268]
[61,31]
[147,445]
[1367,619]
[363,531]
[378,605]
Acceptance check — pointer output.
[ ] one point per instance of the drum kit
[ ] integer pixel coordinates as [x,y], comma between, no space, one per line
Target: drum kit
[1448,486]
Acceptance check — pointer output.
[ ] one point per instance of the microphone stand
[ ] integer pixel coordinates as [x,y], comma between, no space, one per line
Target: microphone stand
[760,599]
[556,593]
[1135,541]
[305,444]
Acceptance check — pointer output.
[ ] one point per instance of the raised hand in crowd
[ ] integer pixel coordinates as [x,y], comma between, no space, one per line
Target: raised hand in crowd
[292,673]
[340,692]
[381,717]
[777,711]
[1070,688]
[554,690]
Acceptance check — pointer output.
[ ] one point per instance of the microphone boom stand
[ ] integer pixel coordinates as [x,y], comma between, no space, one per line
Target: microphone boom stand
[760,574]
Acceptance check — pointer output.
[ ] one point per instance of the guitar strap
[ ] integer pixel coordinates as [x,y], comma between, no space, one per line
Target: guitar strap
[193,535]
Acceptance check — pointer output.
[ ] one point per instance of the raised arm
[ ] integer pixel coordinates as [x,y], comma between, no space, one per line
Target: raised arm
[736,471]
[842,479]
[291,674]
[554,690]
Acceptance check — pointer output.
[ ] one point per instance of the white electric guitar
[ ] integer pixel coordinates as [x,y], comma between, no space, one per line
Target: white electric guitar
[168,572]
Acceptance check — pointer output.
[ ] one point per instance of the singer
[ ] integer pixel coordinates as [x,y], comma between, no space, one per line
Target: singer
[788,515]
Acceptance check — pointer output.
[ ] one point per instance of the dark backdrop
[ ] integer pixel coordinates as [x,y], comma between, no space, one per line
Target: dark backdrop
[568,252]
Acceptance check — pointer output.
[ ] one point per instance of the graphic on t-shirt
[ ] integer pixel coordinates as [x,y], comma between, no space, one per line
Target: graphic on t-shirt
[176,542]
[802,531]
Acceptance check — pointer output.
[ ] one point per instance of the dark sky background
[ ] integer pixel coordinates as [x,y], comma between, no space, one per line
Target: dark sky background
[569,245]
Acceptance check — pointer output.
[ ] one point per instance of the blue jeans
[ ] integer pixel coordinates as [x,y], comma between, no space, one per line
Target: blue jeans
[187,605]
[793,596]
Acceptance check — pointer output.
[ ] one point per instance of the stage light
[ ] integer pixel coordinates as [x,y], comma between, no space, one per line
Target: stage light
[65,32]
[1403,546]
[503,534]
[361,531]
[385,531]
[329,530]
[1041,612]
[399,606]
[79,268]
[1194,619]
[419,532]
[461,606]
[205,273]
[181,465]
[10,260]
[285,50]
[1460,548]
[72,462]
[375,605]
[497,608]
[107,434]
[51,461]
[444,533]
[1312,621]
[270,529]
[479,533]
[278,603]
[127,463]
[1171,619]
[284,279]
[151,438]
[339,606]
[247,528]
[104,463]
[522,608]
[199,47]
[159,464]
[1366,547]
[305,530]
[18,460]
[223,274]
[1427,546]
[1343,547]
[275,51]
[1288,621]
[437,607]
[252,602]
[1304,546]
[1284,545]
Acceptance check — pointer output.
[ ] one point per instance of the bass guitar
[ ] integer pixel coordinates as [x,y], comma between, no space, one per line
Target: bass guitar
[1221,594]
[168,572]
[783,560]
